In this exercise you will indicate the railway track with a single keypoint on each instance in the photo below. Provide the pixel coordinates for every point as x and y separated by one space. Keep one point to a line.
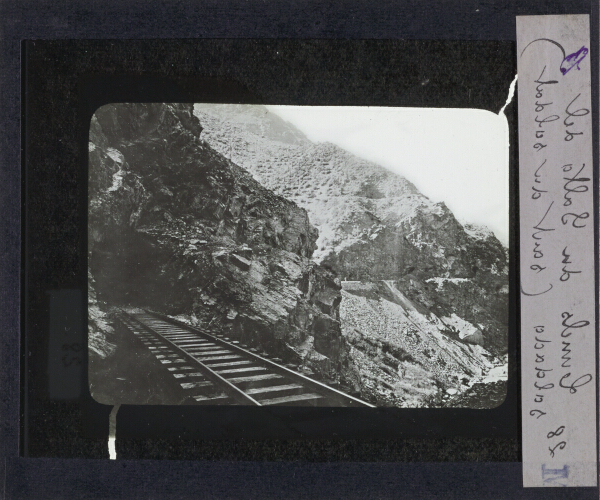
214 370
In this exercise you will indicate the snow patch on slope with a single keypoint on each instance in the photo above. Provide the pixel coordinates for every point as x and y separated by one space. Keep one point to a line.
465 329
119 159
439 282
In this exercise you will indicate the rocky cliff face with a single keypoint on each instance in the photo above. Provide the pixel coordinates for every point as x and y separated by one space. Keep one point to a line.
424 307
391 297
177 227
373 224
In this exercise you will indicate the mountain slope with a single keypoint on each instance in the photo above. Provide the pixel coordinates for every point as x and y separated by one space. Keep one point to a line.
404 353
176 226
373 224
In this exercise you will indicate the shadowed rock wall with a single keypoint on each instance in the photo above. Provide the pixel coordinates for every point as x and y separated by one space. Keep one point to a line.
175 226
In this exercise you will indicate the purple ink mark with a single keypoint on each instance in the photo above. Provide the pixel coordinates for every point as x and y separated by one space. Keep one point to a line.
573 60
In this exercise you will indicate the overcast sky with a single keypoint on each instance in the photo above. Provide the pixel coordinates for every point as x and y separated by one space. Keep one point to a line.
459 156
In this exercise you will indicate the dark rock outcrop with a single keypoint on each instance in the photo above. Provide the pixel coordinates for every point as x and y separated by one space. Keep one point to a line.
177 227
373 224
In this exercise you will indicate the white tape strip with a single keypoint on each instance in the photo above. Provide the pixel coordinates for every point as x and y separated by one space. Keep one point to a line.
112 432
511 94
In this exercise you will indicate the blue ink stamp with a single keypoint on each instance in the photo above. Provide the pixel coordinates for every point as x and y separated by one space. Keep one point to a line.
573 60
553 477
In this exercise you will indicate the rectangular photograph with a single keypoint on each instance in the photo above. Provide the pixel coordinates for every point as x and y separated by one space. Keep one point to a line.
298 255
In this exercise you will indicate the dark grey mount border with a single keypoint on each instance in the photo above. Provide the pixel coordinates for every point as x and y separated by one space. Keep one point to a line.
62 19
63 76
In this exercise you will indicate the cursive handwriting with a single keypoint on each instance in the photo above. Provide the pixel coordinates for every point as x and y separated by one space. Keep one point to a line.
537 193
539 107
575 221
580 382
570 114
538 234
569 329
540 369
574 184
566 272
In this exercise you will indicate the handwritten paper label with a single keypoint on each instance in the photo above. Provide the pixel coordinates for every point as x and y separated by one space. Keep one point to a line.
558 360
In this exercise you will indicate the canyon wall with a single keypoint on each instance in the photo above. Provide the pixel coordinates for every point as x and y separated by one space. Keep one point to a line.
176 227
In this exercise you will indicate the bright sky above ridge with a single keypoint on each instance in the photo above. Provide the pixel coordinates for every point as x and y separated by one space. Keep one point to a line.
458 156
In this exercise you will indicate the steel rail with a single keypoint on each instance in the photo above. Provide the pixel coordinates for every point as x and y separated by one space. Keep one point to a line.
315 384
237 393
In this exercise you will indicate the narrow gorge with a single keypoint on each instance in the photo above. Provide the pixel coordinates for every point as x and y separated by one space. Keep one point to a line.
229 218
